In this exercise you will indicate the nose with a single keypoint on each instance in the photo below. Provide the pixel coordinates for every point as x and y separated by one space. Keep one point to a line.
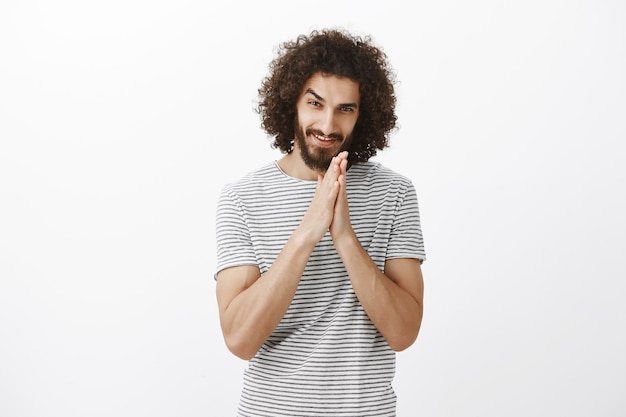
327 123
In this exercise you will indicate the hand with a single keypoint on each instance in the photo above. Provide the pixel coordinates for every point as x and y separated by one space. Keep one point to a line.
317 220
340 225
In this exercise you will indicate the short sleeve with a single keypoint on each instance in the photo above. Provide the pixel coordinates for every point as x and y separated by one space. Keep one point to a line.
406 240
234 246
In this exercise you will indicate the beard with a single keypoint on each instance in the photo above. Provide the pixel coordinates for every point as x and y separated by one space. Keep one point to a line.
315 157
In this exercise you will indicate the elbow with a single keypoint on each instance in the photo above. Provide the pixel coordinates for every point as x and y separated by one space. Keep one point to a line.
405 336
403 341
400 344
239 340
240 347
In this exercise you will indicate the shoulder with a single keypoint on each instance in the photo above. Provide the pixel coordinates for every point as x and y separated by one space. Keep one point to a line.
252 180
374 172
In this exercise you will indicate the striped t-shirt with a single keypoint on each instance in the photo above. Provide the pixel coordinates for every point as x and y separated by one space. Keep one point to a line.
325 357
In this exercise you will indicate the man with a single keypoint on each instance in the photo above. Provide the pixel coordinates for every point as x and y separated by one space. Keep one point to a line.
318 268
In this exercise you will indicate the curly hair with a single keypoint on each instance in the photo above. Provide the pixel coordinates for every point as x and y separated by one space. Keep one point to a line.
332 52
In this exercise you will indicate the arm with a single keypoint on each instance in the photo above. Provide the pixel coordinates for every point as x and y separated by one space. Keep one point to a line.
393 300
250 304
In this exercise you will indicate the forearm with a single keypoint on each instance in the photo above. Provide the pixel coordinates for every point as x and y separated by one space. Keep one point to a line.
253 314
396 312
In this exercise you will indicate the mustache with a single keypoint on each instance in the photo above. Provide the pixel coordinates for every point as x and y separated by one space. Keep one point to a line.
335 136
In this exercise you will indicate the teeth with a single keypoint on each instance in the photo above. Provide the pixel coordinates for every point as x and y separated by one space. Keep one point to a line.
324 138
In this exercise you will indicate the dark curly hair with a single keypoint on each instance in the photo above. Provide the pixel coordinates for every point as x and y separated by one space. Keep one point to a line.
332 52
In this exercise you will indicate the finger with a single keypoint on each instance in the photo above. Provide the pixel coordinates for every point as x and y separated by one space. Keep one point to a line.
324 183
343 155
333 170
320 179
341 180
343 165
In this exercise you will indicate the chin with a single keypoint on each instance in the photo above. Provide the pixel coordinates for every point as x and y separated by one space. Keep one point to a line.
317 159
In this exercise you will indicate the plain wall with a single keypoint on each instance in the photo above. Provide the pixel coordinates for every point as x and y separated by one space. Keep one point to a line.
120 122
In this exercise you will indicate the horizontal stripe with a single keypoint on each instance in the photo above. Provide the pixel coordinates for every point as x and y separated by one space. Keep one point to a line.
325 357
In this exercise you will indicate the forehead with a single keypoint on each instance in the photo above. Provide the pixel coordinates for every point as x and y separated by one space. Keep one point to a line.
332 88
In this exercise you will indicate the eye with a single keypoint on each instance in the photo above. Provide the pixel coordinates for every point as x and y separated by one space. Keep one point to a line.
347 109
314 103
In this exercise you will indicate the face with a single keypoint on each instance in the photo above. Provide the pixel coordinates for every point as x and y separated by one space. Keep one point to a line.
327 111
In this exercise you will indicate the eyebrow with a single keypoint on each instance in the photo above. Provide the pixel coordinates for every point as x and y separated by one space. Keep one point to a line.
320 98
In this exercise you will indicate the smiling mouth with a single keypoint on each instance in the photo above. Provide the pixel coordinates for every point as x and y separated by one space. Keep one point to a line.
324 138
324 141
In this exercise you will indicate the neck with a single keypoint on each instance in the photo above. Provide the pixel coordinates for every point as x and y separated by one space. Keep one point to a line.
293 166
